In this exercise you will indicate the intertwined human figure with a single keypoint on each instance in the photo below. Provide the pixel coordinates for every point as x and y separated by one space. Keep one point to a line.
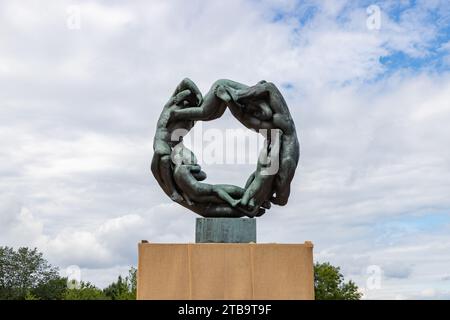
261 108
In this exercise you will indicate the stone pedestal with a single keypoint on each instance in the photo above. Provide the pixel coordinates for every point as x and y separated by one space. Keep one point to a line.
225 271
225 230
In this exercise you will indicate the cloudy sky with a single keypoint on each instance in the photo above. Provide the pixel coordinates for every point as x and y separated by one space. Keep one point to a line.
83 82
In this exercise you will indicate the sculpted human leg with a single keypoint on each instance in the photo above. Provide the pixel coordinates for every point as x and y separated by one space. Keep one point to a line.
166 172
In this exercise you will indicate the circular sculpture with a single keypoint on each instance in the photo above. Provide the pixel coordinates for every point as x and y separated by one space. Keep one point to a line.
261 108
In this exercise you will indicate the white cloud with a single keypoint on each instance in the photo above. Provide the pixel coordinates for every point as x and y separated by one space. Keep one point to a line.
18 226
109 243
78 110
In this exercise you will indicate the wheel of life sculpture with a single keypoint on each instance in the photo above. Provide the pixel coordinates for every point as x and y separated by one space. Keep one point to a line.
261 108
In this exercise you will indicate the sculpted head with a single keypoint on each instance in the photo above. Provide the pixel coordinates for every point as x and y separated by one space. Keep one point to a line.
259 109
182 155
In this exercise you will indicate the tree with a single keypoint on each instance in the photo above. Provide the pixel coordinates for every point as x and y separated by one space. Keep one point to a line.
132 276
53 289
86 291
123 288
329 284
24 273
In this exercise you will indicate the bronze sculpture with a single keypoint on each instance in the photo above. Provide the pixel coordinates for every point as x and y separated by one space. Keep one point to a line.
260 108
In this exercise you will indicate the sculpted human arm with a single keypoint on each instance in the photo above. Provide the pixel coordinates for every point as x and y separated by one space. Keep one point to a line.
188 84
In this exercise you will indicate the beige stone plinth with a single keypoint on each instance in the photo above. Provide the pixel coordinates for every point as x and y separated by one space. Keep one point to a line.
225 271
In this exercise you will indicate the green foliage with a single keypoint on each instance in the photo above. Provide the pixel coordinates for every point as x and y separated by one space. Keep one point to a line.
132 276
329 284
30 296
84 291
24 273
52 289
123 289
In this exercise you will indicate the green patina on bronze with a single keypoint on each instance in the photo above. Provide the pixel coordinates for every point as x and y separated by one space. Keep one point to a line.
225 230
260 108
